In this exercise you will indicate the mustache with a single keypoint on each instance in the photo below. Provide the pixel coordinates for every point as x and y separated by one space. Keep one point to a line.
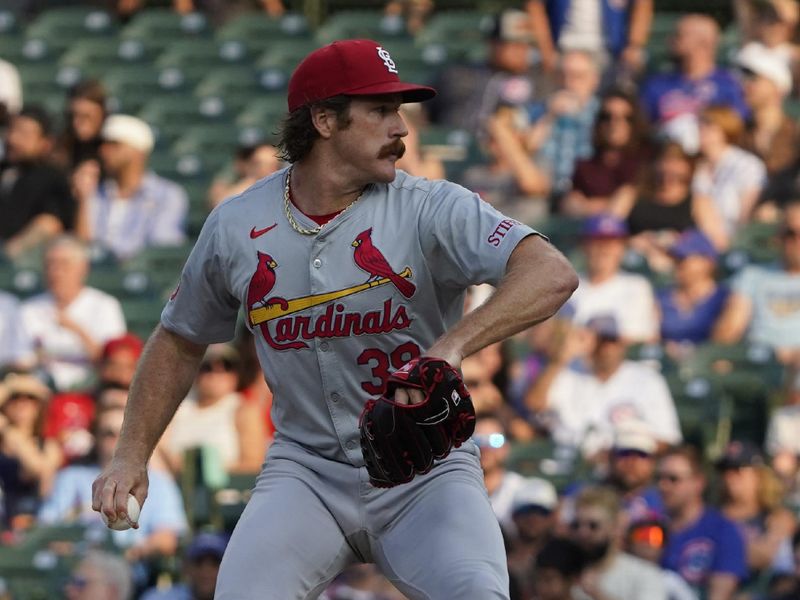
397 148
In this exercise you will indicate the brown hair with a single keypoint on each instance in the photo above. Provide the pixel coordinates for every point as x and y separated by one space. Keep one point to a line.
648 181
639 125
690 454
769 489
297 134
727 119
603 497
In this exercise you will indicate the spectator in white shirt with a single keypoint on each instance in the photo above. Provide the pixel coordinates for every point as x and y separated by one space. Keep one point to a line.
731 177
70 322
588 406
605 289
133 208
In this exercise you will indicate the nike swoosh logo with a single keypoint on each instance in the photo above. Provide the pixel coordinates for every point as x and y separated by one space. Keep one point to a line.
254 233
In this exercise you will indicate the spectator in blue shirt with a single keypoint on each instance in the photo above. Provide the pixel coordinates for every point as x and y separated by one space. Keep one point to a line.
704 547
690 308
162 520
698 82
132 208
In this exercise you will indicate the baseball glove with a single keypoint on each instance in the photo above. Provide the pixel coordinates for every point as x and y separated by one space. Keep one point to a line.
398 440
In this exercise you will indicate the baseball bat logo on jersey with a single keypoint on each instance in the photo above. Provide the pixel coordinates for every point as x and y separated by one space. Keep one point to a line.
289 328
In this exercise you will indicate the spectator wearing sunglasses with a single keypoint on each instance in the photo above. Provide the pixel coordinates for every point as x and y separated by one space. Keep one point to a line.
598 528
533 512
618 152
216 416
752 498
704 547
100 576
764 306
646 539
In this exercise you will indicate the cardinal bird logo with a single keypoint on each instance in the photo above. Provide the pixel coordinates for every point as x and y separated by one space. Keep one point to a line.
371 260
261 284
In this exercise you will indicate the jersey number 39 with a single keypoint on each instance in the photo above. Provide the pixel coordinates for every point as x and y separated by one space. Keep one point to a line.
383 364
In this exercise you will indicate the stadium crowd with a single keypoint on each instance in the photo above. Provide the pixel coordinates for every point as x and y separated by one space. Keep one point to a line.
644 443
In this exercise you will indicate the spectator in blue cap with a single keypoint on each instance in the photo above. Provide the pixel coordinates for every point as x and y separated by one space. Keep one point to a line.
690 308
606 290
200 568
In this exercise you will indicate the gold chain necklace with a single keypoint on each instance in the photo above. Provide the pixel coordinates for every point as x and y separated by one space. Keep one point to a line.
287 208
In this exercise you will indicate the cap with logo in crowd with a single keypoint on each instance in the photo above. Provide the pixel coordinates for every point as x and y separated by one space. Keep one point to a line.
511 25
207 544
128 130
350 68
693 242
760 60
635 435
604 227
534 493
739 454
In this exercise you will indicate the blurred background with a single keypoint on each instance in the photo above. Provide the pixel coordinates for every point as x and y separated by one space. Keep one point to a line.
642 443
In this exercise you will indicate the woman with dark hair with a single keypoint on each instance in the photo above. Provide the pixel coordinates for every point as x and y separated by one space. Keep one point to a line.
85 114
619 140
664 206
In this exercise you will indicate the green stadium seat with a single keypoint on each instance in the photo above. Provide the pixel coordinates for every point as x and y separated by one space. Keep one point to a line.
266 112
166 25
361 24
196 56
9 22
286 54
21 50
542 458
132 86
238 86
121 283
255 29
142 315
104 54
64 26
171 116
217 143
456 26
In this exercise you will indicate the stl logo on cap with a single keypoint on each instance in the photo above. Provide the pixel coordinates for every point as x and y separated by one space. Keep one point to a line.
387 59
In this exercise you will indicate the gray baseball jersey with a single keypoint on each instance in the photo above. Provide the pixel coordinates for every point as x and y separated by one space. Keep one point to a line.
335 313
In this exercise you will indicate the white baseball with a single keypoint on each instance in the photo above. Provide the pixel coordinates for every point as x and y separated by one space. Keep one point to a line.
123 524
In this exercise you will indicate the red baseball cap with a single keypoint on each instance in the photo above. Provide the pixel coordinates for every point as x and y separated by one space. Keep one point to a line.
353 68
